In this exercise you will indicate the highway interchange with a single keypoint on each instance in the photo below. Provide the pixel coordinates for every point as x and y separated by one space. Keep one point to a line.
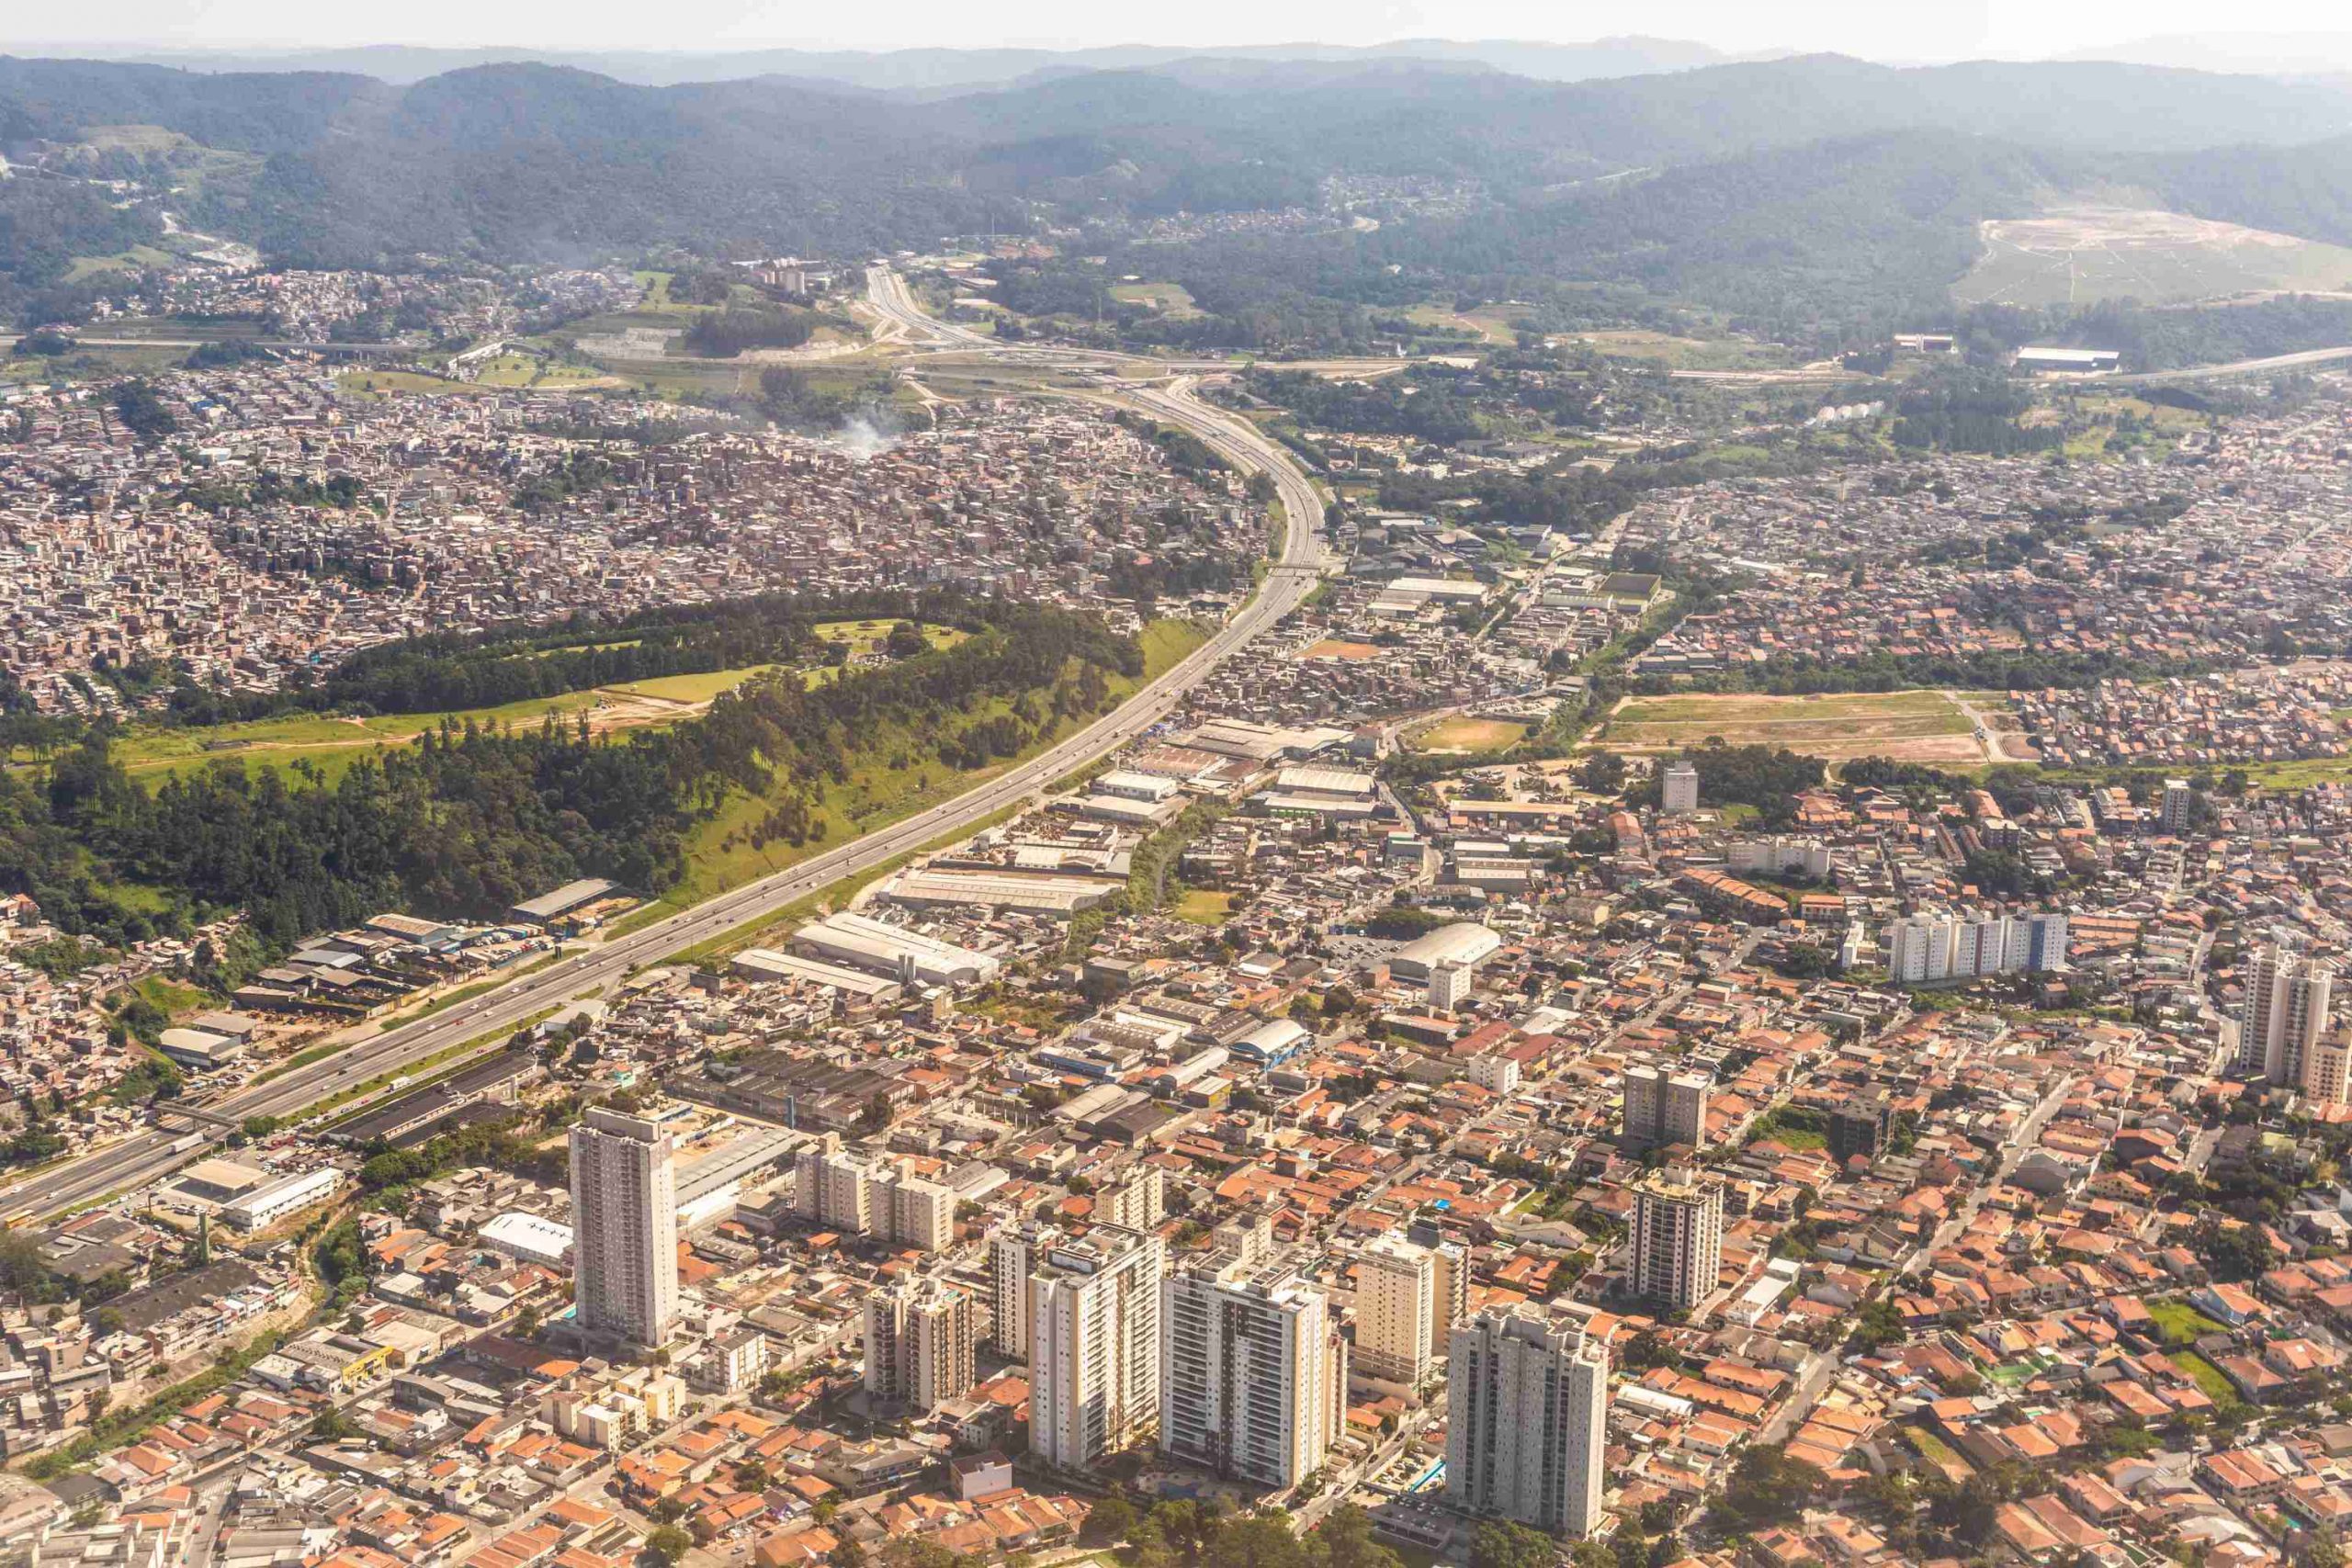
132 1162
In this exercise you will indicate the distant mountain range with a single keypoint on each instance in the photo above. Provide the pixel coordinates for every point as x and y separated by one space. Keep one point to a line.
936 70
1806 183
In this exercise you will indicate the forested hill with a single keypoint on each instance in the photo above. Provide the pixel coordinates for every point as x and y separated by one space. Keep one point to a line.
1808 188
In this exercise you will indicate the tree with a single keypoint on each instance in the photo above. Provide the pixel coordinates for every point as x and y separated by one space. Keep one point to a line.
332 1426
1111 1520
1256 1542
669 1542
1344 1541
1768 1486
906 640
1502 1544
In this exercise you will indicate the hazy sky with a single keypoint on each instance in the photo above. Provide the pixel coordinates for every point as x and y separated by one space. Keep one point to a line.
1937 29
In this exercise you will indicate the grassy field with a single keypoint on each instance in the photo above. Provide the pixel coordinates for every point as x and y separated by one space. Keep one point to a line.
121 261
1203 906
1462 733
1683 353
331 745
869 637
2180 1323
2083 254
2206 1376
1168 298
1916 725
384 383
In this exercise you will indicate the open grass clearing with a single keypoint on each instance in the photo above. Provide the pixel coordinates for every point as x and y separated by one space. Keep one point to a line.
870 636
1917 725
2081 255
2181 1324
1203 906
1168 298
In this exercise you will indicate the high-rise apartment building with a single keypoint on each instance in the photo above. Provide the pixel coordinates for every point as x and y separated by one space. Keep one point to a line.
1527 1420
1663 1109
1396 1307
1137 1201
1449 1284
1928 948
2180 803
1251 1371
1678 1238
882 1200
624 1226
1093 1307
1680 790
920 1344
2288 1000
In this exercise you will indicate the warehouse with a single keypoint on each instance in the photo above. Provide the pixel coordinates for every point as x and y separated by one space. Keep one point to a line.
1052 898
265 1206
863 942
200 1050
1464 942
527 1238
758 964
550 908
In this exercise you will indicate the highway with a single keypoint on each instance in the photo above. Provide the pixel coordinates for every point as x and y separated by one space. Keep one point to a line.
137 1161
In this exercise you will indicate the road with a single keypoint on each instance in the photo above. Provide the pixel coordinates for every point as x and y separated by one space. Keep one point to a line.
137 1161
2235 367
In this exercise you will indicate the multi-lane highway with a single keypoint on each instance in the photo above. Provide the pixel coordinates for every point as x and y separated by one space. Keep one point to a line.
134 1161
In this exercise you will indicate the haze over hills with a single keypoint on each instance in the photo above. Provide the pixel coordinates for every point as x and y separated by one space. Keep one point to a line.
1802 190
932 70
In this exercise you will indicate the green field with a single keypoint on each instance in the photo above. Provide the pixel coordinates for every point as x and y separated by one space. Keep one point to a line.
869 637
121 261
2081 255
699 688
1168 298
1916 725
384 383
2180 1323
1203 906
2206 1376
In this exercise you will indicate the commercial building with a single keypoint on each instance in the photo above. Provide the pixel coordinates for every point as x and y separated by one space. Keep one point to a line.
1396 1306
1093 1312
1664 1110
1677 1239
920 1344
1252 1373
1527 1421
625 1226
1680 792
265 1206
2288 1000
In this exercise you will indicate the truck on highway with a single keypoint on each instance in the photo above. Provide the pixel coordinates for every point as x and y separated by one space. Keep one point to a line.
181 1146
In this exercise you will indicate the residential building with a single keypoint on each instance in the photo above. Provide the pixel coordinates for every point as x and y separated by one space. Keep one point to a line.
1396 1307
1664 1109
2288 1000
920 1343
1680 790
882 1200
1678 1238
1527 1425
1094 1359
1251 1372
625 1226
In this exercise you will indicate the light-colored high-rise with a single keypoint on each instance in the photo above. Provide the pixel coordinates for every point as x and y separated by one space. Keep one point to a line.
1137 1201
1926 948
1678 1238
1093 1321
2288 1001
2180 804
1527 1420
1395 1309
1449 1285
624 1226
1663 1109
1679 794
1012 1252
883 1200
920 1339
1248 1368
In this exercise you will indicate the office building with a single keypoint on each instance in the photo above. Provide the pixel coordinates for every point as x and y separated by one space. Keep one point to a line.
1396 1307
882 1202
1092 1308
624 1226
920 1343
1665 1108
1527 1420
1252 1371
2285 1014
1677 1239
1680 790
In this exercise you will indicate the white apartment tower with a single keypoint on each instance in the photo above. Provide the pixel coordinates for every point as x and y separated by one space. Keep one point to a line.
2171 817
1678 1238
2288 998
1680 792
1527 1423
1663 1109
624 1226
919 1340
1396 1308
1092 1308
1138 1202
1251 1370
